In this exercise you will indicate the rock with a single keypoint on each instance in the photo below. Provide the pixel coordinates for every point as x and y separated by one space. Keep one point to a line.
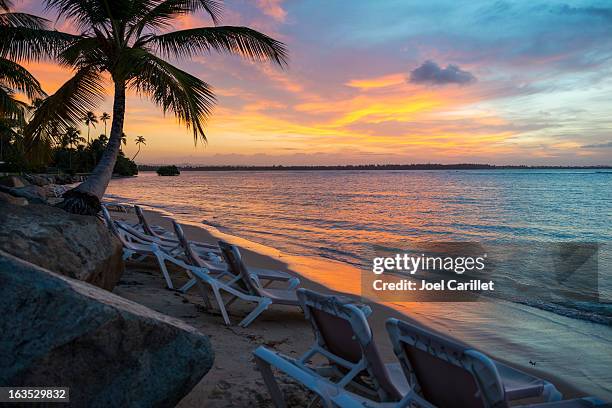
77 246
110 352
7 198
39 179
34 194
13 181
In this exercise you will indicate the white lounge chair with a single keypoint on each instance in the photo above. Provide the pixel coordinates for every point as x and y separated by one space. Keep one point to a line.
245 286
344 338
193 256
441 372
137 249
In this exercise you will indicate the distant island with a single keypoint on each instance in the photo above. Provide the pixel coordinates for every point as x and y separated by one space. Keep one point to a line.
428 166
168 171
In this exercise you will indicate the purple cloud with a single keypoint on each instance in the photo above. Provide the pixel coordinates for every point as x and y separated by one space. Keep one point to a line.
431 73
604 145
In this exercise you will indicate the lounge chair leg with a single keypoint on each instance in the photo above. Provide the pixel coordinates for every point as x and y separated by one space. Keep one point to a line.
127 253
140 258
261 306
266 372
188 285
221 305
162 266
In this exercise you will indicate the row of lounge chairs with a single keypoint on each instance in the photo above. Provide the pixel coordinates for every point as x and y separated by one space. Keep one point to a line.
433 370
219 269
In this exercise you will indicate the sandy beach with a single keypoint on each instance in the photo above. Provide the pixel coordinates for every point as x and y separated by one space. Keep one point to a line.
234 381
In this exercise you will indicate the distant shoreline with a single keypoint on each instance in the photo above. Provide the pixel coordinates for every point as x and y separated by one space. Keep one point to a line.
147 167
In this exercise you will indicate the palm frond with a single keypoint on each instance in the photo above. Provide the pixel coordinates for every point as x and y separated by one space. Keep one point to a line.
242 41
189 98
13 19
85 13
13 75
162 14
29 44
84 51
11 108
81 93
6 5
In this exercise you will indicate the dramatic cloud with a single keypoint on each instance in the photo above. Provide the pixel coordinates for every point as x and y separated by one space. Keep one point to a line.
598 145
431 73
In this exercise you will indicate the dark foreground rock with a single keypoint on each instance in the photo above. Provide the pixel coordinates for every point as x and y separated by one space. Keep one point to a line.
77 246
109 351
4 197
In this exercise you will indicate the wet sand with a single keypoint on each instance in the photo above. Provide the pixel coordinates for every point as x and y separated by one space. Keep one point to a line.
234 381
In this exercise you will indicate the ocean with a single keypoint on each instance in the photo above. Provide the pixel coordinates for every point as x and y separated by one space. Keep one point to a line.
343 216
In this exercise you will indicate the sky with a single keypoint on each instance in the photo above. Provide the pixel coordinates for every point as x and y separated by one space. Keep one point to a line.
441 81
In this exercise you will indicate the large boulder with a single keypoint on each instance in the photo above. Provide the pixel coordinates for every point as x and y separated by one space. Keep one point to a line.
110 352
39 179
13 181
4 197
32 193
77 246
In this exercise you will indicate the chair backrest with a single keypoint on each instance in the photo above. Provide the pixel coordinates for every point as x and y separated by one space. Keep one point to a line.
341 327
443 371
236 266
191 256
110 223
143 221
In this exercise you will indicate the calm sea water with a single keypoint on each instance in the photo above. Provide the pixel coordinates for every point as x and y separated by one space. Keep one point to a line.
339 215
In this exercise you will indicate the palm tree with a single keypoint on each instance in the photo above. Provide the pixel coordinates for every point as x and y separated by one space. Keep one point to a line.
90 118
104 118
72 138
139 140
129 40
14 78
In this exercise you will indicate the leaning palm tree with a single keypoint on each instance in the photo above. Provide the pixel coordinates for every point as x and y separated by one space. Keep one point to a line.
90 119
129 40
104 118
139 140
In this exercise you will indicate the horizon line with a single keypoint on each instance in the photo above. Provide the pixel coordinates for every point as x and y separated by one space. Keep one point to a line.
413 166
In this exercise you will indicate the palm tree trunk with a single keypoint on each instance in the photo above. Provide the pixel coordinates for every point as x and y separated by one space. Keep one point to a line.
136 153
85 199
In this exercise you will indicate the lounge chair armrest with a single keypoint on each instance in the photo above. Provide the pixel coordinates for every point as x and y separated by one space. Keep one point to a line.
266 359
551 393
293 283
255 280
167 257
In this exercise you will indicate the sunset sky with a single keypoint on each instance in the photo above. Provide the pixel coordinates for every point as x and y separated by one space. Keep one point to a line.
521 82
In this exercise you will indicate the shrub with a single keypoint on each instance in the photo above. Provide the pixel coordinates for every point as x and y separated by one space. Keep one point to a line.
168 171
125 166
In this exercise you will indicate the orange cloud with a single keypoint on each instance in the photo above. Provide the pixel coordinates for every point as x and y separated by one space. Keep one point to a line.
378 82
273 9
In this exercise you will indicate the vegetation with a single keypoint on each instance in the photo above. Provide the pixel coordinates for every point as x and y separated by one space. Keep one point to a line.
70 154
140 140
127 41
168 171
